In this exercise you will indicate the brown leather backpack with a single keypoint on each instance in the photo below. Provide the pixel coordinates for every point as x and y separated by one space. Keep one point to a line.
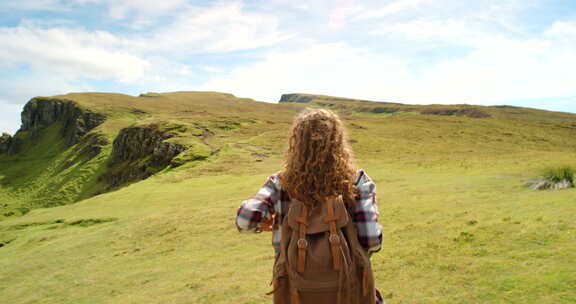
321 260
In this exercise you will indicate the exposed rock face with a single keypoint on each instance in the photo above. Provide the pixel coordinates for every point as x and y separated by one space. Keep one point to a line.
139 142
9 144
469 112
296 98
139 152
5 141
305 98
41 112
380 110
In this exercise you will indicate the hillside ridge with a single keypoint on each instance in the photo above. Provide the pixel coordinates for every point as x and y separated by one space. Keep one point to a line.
74 146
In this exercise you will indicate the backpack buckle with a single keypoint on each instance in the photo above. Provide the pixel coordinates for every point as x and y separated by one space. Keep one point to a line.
334 238
302 243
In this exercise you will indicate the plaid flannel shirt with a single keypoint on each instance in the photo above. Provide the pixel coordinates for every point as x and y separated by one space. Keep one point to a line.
271 199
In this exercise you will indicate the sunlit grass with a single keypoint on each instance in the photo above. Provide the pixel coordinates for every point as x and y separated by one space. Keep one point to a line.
459 224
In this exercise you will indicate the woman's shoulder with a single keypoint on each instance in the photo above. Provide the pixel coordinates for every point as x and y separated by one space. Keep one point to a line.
275 178
362 178
364 182
361 175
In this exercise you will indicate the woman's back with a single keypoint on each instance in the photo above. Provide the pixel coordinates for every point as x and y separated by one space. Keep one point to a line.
318 164
271 200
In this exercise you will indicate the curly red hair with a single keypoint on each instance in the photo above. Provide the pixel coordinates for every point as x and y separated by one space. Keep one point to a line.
319 161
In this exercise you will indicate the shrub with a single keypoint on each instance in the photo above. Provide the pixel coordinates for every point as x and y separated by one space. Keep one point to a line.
554 178
560 174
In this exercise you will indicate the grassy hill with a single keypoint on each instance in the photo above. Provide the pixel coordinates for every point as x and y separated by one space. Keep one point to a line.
125 226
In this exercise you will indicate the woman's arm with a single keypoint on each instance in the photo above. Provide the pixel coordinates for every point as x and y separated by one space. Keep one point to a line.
255 211
366 214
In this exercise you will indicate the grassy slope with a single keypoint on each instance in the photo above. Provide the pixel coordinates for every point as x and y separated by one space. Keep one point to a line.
459 226
36 177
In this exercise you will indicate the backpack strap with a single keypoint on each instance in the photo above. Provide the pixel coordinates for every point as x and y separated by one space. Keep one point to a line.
302 242
365 282
295 297
334 238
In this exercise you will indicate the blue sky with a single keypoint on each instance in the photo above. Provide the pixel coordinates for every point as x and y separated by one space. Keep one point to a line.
485 52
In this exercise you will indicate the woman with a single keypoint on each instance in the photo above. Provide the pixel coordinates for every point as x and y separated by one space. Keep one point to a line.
318 163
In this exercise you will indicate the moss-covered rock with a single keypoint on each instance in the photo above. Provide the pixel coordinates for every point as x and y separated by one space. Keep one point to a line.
139 152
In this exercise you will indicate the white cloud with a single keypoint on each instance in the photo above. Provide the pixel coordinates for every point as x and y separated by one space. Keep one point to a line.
45 5
382 50
340 14
562 30
302 6
58 58
137 13
451 31
392 8
496 69
18 89
128 59
220 28
502 69
333 69
95 55
121 9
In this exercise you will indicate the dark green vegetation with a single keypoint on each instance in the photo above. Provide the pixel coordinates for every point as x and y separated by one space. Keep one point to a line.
554 178
143 194
560 174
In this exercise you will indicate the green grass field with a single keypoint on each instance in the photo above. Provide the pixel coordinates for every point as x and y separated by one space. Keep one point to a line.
459 224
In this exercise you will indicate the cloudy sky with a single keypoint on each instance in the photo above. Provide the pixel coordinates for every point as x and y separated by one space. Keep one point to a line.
516 52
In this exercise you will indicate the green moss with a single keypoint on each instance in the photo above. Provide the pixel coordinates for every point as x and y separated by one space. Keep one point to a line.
226 124
175 127
194 152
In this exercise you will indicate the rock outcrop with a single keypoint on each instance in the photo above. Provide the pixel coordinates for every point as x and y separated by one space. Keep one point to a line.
5 142
41 112
135 143
9 144
139 152
468 112
306 98
296 98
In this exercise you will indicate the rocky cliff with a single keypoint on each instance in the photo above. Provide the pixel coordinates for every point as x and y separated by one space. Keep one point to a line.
5 142
138 152
296 98
306 98
78 160
41 112
380 107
